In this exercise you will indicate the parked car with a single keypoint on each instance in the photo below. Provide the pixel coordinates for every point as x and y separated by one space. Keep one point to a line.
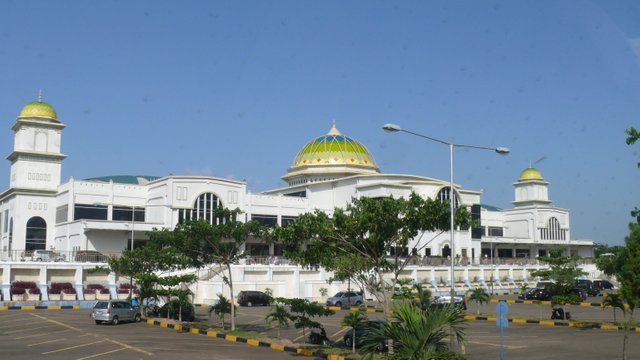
581 292
46 255
89 256
541 294
587 285
345 298
115 311
188 311
445 300
361 331
602 285
251 298
528 295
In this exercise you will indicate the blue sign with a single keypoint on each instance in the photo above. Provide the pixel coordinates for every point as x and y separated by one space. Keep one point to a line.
502 309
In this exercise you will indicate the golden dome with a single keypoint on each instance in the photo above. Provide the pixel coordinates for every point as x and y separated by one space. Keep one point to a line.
531 174
39 109
334 149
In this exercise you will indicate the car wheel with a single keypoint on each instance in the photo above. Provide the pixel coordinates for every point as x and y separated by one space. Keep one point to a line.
115 320
98 322
249 304
348 341
339 304
137 318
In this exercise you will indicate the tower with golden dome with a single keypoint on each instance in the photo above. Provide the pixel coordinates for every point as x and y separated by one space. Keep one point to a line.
36 160
531 188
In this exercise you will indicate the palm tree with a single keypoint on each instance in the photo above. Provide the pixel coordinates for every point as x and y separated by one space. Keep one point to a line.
423 296
280 315
417 334
221 308
354 320
480 296
615 301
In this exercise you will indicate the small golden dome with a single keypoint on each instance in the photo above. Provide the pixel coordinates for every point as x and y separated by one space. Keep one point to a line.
531 174
39 109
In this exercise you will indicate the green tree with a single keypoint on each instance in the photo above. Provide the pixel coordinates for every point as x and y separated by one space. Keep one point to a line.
353 320
357 239
278 314
627 273
417 333
563 271
216 245
222 308
302 312
422 296
479 296
614 301
632 137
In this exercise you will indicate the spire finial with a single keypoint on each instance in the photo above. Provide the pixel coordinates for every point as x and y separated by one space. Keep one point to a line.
530 167
334 130
40 95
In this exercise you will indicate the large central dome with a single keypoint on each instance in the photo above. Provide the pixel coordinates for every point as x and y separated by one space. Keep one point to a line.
332 154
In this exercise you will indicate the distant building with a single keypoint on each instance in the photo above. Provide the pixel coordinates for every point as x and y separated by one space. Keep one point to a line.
107 214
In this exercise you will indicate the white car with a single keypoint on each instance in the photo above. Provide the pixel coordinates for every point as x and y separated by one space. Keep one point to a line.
46 255
444 300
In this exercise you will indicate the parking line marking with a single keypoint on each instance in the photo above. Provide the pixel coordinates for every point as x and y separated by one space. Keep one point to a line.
29 329
338 333
100 354
498 345
85 333
46 342
45 334
20 325
73 347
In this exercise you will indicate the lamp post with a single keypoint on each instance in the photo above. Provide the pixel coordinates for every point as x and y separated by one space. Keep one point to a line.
499 150
133 222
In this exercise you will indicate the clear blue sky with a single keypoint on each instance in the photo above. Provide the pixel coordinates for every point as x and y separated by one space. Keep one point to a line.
235 88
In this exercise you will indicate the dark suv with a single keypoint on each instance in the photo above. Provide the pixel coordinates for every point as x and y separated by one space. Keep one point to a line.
251 298
588 287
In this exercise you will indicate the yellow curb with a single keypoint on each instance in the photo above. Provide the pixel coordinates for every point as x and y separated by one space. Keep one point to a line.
230 337
149 322
371 310
76 307
54 307
212 333
194 331
470 317
494 300
511 301
519 321
177 327
608 327
334 308
253 342
545 302
491 318
586 304
27 308
335 357
547 323
638 329
277 347
4 308
163 325
305 352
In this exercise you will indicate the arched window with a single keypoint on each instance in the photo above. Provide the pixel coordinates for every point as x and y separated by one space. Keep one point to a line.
445 194
203 208
446 251
36 238
553 231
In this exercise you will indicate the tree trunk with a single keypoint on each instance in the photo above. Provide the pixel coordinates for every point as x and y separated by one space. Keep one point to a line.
354 340
387 306
233 308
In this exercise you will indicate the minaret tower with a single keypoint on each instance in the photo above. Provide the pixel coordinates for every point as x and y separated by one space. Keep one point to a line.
531 188
36 160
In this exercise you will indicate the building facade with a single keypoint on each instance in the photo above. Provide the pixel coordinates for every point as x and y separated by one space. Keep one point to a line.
105 215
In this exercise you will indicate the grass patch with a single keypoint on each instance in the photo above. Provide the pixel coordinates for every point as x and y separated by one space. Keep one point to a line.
244 334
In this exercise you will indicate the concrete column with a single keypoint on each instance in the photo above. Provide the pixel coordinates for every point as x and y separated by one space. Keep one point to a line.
78 285
6 282
111 284
296 283
42 283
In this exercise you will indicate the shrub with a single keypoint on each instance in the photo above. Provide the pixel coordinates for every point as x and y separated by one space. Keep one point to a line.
69 291
61 286
104 291
54 291
123 291
89 291
94 287
24 284
17 291
34 291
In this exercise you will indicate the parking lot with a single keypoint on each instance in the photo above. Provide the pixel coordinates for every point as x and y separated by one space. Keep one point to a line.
72 334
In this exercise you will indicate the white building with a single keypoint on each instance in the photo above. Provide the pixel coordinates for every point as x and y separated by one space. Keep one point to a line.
104 214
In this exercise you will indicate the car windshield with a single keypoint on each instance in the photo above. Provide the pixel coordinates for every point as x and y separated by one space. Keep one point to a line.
340 294
101 305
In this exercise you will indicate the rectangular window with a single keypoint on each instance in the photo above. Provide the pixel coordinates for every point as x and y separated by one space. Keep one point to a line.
427 252
122 213
6 220
495 231
287 219
267 220
302 194
62 214
476 229
90 212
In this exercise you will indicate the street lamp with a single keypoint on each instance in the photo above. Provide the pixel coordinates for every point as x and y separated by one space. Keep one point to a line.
499 150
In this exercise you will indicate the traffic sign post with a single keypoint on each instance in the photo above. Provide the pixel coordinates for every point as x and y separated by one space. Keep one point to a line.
502 322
